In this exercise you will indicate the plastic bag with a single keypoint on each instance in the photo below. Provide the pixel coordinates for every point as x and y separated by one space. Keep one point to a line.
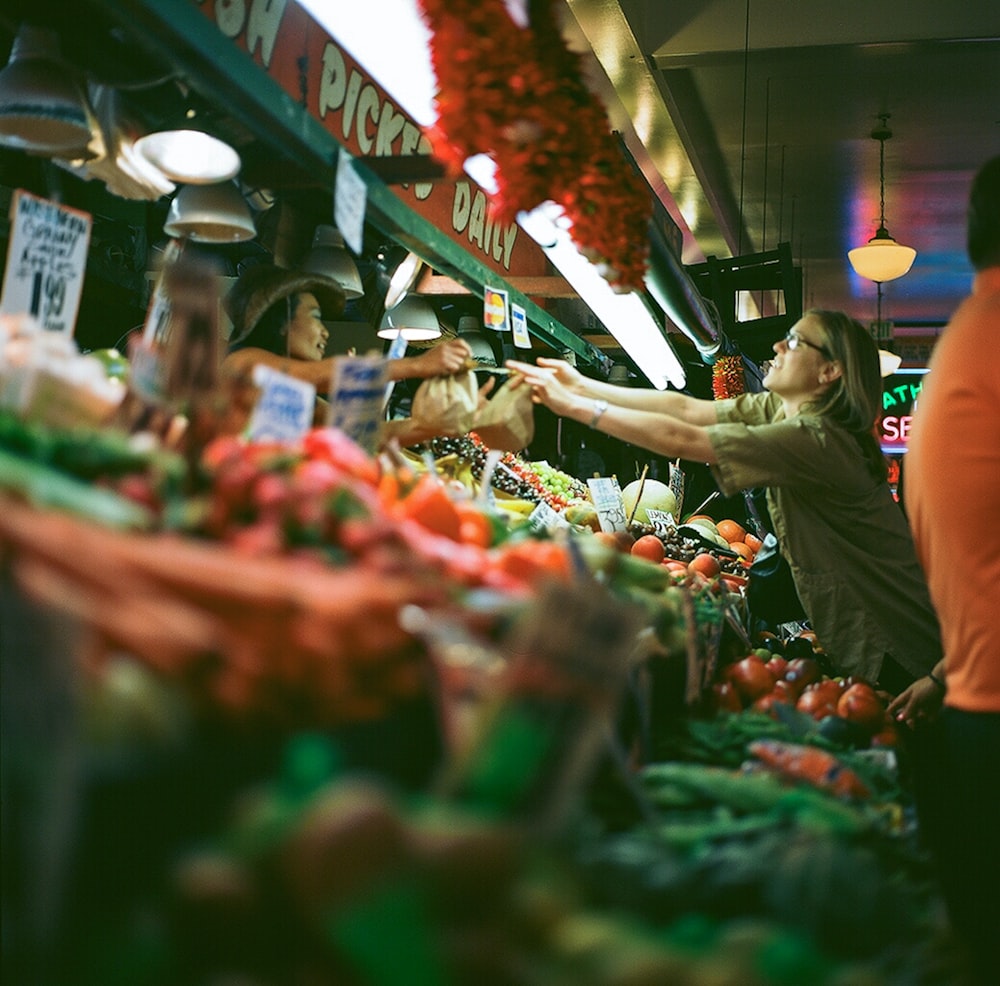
447 405
771 593
507 421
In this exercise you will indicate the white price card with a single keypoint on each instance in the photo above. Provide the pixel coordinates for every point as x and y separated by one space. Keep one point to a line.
544 518
46 261
607 497
357 392
284 409
519 326
662 521
350 200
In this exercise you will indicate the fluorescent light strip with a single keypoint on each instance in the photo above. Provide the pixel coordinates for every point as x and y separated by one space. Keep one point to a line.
625 316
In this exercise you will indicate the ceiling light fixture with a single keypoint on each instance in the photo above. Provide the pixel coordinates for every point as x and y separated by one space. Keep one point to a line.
881 258
330 257
189 157
42 106
210 214
413 318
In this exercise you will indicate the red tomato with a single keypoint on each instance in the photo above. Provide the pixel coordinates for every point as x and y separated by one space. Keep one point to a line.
650 547
429 504
751 678
860 704
803 670
476 527
819 701
725 698
777 665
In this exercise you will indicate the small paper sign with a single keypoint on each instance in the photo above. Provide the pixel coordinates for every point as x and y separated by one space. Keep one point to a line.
544 518
676 484
350 200
662 521
357 391
284 409
519 326
496 309
607 497
46 261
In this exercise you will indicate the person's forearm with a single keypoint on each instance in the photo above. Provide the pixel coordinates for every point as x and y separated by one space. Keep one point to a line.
654 431
677 405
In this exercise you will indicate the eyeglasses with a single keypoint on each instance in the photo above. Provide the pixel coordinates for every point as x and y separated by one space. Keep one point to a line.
793 340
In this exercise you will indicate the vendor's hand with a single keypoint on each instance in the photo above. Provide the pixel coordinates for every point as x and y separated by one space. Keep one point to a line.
546 382
442 360
570 377
920 701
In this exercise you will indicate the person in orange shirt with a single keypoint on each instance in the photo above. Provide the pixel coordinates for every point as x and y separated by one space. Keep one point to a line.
953 503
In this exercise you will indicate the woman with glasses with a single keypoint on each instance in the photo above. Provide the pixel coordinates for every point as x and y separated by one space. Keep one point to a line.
809 439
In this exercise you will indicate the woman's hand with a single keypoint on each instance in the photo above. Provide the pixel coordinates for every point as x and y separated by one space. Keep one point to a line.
552 383
921 700
442 360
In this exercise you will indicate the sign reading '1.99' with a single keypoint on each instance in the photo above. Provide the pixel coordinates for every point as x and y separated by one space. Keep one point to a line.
899 399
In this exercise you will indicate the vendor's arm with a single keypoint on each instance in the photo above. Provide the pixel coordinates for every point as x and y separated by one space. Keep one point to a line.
656 431
693 410
441 360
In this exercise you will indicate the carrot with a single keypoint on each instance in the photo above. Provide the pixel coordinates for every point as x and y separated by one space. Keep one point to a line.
801 762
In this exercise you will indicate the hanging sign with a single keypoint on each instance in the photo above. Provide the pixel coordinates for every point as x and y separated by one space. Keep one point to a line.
350 199
519 326
496 309
46 261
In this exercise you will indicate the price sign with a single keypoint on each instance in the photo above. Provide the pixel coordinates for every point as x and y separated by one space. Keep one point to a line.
676 484
357 392
607 497
544 518
662 521
350 200
46 261
284 409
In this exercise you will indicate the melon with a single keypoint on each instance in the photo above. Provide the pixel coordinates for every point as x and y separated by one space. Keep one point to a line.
655 496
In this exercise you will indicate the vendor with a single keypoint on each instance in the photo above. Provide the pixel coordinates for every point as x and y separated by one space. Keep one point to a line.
809 439
277 317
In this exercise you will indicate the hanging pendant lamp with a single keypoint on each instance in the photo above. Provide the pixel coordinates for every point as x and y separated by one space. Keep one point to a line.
881 258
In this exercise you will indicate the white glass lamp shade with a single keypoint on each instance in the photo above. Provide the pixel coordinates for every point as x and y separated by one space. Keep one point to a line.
413 318
210 214
42 109
881 258
889 362
329 256
189 156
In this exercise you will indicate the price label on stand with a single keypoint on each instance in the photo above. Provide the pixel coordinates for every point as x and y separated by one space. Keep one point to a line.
607 497
357 392
46 261
662 521
544 518
284 410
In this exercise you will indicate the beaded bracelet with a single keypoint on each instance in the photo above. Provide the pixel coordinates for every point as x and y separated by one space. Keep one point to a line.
937 681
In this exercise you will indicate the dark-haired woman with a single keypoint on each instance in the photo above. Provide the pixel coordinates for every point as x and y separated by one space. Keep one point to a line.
809 439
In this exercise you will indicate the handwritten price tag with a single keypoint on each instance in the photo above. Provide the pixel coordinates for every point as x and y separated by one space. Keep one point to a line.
607 497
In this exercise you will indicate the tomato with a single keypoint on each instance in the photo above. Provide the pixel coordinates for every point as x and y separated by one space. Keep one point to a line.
725 698
532 560
475 527
751 678
777 665
804 670
650 547
336 447
860 704
429 504
818 700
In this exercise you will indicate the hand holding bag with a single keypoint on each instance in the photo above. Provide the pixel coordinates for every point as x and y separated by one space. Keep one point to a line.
447 405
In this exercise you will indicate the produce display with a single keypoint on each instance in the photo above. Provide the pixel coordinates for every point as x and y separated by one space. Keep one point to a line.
744 818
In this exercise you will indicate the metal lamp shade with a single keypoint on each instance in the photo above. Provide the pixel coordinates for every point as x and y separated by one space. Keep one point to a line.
329 256
42 109
210 214
190 156
413 318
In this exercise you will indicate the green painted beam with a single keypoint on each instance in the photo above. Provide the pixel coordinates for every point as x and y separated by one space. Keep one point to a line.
178 33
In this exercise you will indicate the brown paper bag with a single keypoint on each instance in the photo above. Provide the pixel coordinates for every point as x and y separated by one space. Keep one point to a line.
447 405
507 422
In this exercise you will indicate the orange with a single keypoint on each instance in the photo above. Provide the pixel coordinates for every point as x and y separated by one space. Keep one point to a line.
743 550
752 541
731 531
650 547
705 564
688 520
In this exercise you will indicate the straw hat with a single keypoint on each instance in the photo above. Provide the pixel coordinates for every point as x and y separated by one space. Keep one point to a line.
264 285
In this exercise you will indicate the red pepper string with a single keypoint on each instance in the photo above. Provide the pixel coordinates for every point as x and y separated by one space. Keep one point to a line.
518 94
727 377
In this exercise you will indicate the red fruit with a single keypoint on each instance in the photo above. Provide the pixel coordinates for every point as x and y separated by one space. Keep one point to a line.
789 691
778 666
803 671
751 678
819 701
650 547
725 698
705 564
860 704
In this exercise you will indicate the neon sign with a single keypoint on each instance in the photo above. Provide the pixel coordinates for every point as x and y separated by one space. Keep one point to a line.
899 399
